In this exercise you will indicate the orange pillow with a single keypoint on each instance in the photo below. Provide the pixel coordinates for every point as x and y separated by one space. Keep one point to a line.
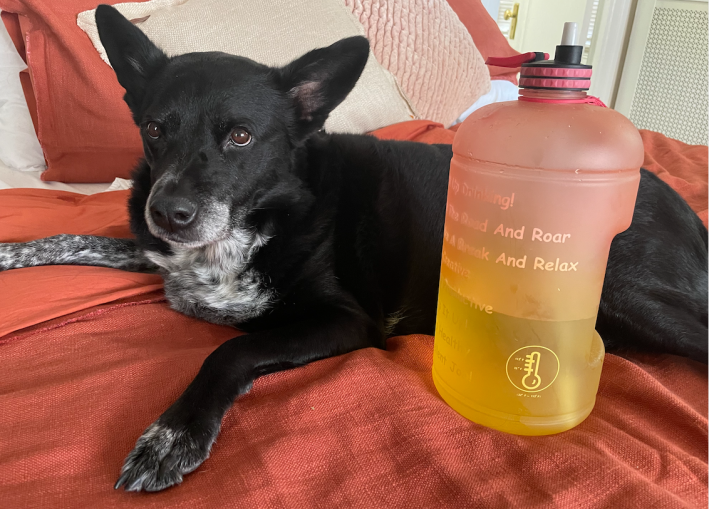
82 123
486 36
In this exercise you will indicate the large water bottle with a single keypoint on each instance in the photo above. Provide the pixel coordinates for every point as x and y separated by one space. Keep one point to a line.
538 189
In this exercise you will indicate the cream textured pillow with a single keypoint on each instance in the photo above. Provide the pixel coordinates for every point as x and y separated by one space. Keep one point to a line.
429 50
272 32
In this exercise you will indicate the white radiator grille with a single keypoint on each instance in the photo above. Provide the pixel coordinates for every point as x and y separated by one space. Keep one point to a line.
672 95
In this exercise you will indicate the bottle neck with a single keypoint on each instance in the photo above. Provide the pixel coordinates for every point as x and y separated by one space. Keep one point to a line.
552 96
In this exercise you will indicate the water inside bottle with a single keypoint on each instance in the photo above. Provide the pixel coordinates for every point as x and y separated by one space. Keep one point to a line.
529 377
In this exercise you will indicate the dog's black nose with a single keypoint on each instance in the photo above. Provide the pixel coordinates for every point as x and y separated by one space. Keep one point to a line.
173 213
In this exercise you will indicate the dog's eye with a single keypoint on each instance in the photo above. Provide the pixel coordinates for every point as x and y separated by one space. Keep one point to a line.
240 137
153 130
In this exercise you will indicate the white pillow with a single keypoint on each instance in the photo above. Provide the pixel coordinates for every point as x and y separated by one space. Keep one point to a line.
19 147
500 91
274 33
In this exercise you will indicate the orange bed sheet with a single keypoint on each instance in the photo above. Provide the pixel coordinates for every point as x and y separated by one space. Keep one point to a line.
90 356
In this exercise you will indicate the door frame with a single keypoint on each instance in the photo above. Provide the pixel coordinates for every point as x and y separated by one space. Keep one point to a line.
610 48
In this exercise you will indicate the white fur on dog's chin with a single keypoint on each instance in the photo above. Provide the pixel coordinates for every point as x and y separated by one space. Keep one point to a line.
214 281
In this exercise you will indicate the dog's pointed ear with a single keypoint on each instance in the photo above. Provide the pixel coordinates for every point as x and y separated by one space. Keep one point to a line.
133 56
321 79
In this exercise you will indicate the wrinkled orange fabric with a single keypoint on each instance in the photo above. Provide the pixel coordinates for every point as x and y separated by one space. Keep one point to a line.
682 166
33 295
80 381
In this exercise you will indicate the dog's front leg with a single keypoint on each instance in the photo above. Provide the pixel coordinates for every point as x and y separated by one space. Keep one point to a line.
121 254
181 438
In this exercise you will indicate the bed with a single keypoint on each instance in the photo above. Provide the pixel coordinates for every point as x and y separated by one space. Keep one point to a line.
91 356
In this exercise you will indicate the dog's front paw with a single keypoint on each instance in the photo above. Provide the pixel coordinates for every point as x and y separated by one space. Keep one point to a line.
163 454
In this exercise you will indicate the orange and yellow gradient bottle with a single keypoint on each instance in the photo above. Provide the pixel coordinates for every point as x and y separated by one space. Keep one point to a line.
538 189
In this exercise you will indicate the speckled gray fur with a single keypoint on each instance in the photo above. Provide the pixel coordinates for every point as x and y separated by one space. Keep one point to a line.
162 455
211 282
120 254
214 282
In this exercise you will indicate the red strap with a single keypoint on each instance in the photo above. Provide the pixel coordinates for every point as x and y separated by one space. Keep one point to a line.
595 101
516 60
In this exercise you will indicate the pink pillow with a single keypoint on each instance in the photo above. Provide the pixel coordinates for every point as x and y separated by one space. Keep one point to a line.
430 52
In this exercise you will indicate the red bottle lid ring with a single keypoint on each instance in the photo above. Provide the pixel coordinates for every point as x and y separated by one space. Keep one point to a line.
565 72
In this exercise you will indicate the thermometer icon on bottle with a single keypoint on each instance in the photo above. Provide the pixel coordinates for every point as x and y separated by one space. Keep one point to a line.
531 380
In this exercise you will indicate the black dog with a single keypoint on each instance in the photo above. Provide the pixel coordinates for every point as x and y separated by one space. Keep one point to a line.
316 244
